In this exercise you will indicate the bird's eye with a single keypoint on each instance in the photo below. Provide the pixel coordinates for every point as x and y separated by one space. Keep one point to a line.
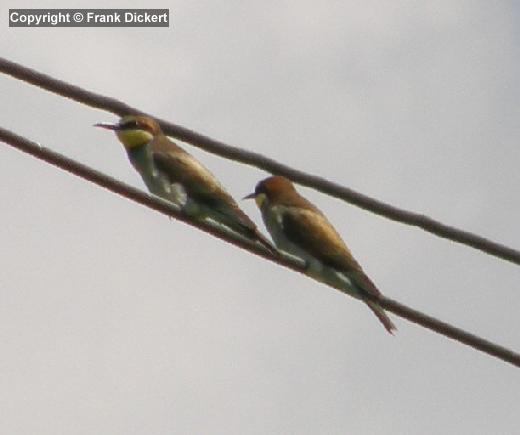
129 125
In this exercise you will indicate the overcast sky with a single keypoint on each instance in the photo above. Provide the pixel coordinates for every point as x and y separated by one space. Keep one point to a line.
116 320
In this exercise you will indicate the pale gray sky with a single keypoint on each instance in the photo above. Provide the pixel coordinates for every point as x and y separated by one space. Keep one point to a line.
115 320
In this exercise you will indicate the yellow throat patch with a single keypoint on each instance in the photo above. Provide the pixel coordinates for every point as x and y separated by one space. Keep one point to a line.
134 138
260 199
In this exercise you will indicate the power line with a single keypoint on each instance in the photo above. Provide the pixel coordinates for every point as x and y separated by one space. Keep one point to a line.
170 210
424 222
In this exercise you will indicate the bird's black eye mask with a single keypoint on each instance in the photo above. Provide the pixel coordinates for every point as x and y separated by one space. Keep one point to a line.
260 188
131 124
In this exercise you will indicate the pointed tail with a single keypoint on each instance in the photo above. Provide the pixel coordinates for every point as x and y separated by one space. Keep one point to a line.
382 316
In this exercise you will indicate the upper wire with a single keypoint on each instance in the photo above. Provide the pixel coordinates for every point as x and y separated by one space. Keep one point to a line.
321 184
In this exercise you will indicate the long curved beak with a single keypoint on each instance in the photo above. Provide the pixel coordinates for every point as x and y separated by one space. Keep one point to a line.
250 196
107 126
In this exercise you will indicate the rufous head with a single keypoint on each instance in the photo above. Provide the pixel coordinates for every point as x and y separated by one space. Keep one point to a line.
275 189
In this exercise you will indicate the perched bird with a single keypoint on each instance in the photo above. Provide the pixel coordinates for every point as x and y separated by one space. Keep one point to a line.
173 174
300 229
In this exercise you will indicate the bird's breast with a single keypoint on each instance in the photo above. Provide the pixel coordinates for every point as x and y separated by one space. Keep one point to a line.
273 219
156 181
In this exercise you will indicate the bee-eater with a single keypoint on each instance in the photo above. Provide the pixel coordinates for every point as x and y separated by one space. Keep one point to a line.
173 174
300 229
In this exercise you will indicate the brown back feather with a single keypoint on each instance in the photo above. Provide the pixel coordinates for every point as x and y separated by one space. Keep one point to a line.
202 186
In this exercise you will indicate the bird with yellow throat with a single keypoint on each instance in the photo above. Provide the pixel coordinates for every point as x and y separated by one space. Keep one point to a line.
299 228
173 174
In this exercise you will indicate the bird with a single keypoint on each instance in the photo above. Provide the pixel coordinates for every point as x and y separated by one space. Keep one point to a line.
171 173
300 229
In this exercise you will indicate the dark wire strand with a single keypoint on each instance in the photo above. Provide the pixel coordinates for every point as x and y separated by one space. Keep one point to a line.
168 209
424 222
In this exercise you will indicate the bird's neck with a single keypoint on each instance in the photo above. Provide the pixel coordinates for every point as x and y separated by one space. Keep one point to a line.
140 157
